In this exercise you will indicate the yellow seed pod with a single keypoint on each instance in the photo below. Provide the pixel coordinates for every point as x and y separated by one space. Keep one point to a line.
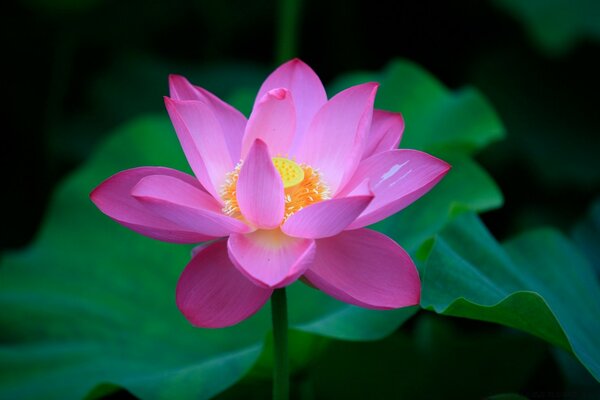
291 173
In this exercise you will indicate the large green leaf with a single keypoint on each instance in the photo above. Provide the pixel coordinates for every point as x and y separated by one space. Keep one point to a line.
92 300
436 360
537 282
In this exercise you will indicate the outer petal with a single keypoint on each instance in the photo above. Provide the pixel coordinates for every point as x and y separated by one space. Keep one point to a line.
260 188
270 258
335 139
386 132
306 87
327 218
113 198
232 121
185 205
203 141
211 292
397 178
274 121
365 268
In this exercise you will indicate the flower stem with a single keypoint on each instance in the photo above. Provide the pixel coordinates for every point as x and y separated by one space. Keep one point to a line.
280 345
287 30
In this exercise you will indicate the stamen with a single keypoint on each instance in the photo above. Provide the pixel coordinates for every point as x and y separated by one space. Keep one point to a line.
302 184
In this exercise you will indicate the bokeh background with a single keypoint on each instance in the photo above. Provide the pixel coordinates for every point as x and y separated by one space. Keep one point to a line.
78 69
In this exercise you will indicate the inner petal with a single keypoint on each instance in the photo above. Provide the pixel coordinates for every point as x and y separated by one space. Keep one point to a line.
303 186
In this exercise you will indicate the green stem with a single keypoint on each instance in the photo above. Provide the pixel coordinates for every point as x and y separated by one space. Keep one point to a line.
287 30
281 385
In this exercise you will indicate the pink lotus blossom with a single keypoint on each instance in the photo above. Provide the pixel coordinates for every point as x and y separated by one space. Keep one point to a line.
284 194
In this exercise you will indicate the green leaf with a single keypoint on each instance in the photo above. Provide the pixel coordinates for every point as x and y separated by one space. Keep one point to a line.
537 282
556 25
436 360
90 302
315 312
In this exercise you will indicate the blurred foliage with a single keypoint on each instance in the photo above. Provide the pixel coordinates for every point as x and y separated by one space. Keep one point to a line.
556 25
587 235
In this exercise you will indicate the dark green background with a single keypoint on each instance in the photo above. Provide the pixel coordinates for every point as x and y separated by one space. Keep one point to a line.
77 70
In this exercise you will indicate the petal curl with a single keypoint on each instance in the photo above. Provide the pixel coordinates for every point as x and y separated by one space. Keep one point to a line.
113 197
260 188
273 120
326 218
211 292
367 269
185 205
269 258
306 88
334 141
385 134
397 178
232 121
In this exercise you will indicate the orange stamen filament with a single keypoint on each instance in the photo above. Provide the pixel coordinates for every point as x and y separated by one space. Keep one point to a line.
310 188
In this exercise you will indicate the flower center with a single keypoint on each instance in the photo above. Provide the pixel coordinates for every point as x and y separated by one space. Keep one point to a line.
291 173
302 187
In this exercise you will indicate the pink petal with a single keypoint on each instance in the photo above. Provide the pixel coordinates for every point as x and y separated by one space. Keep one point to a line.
327 218
260 188
270 258
335 139
386 132
203 141
274 121
185 205
365 268
113 198
211 292
232 121
306 88
397 178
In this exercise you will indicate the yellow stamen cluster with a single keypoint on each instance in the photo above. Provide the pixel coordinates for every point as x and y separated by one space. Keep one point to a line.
302 187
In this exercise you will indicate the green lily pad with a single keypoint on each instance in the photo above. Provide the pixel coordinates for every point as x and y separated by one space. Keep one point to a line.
537 282
90 302
436 360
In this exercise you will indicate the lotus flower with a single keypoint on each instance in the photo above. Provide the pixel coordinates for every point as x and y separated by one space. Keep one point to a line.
284 194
